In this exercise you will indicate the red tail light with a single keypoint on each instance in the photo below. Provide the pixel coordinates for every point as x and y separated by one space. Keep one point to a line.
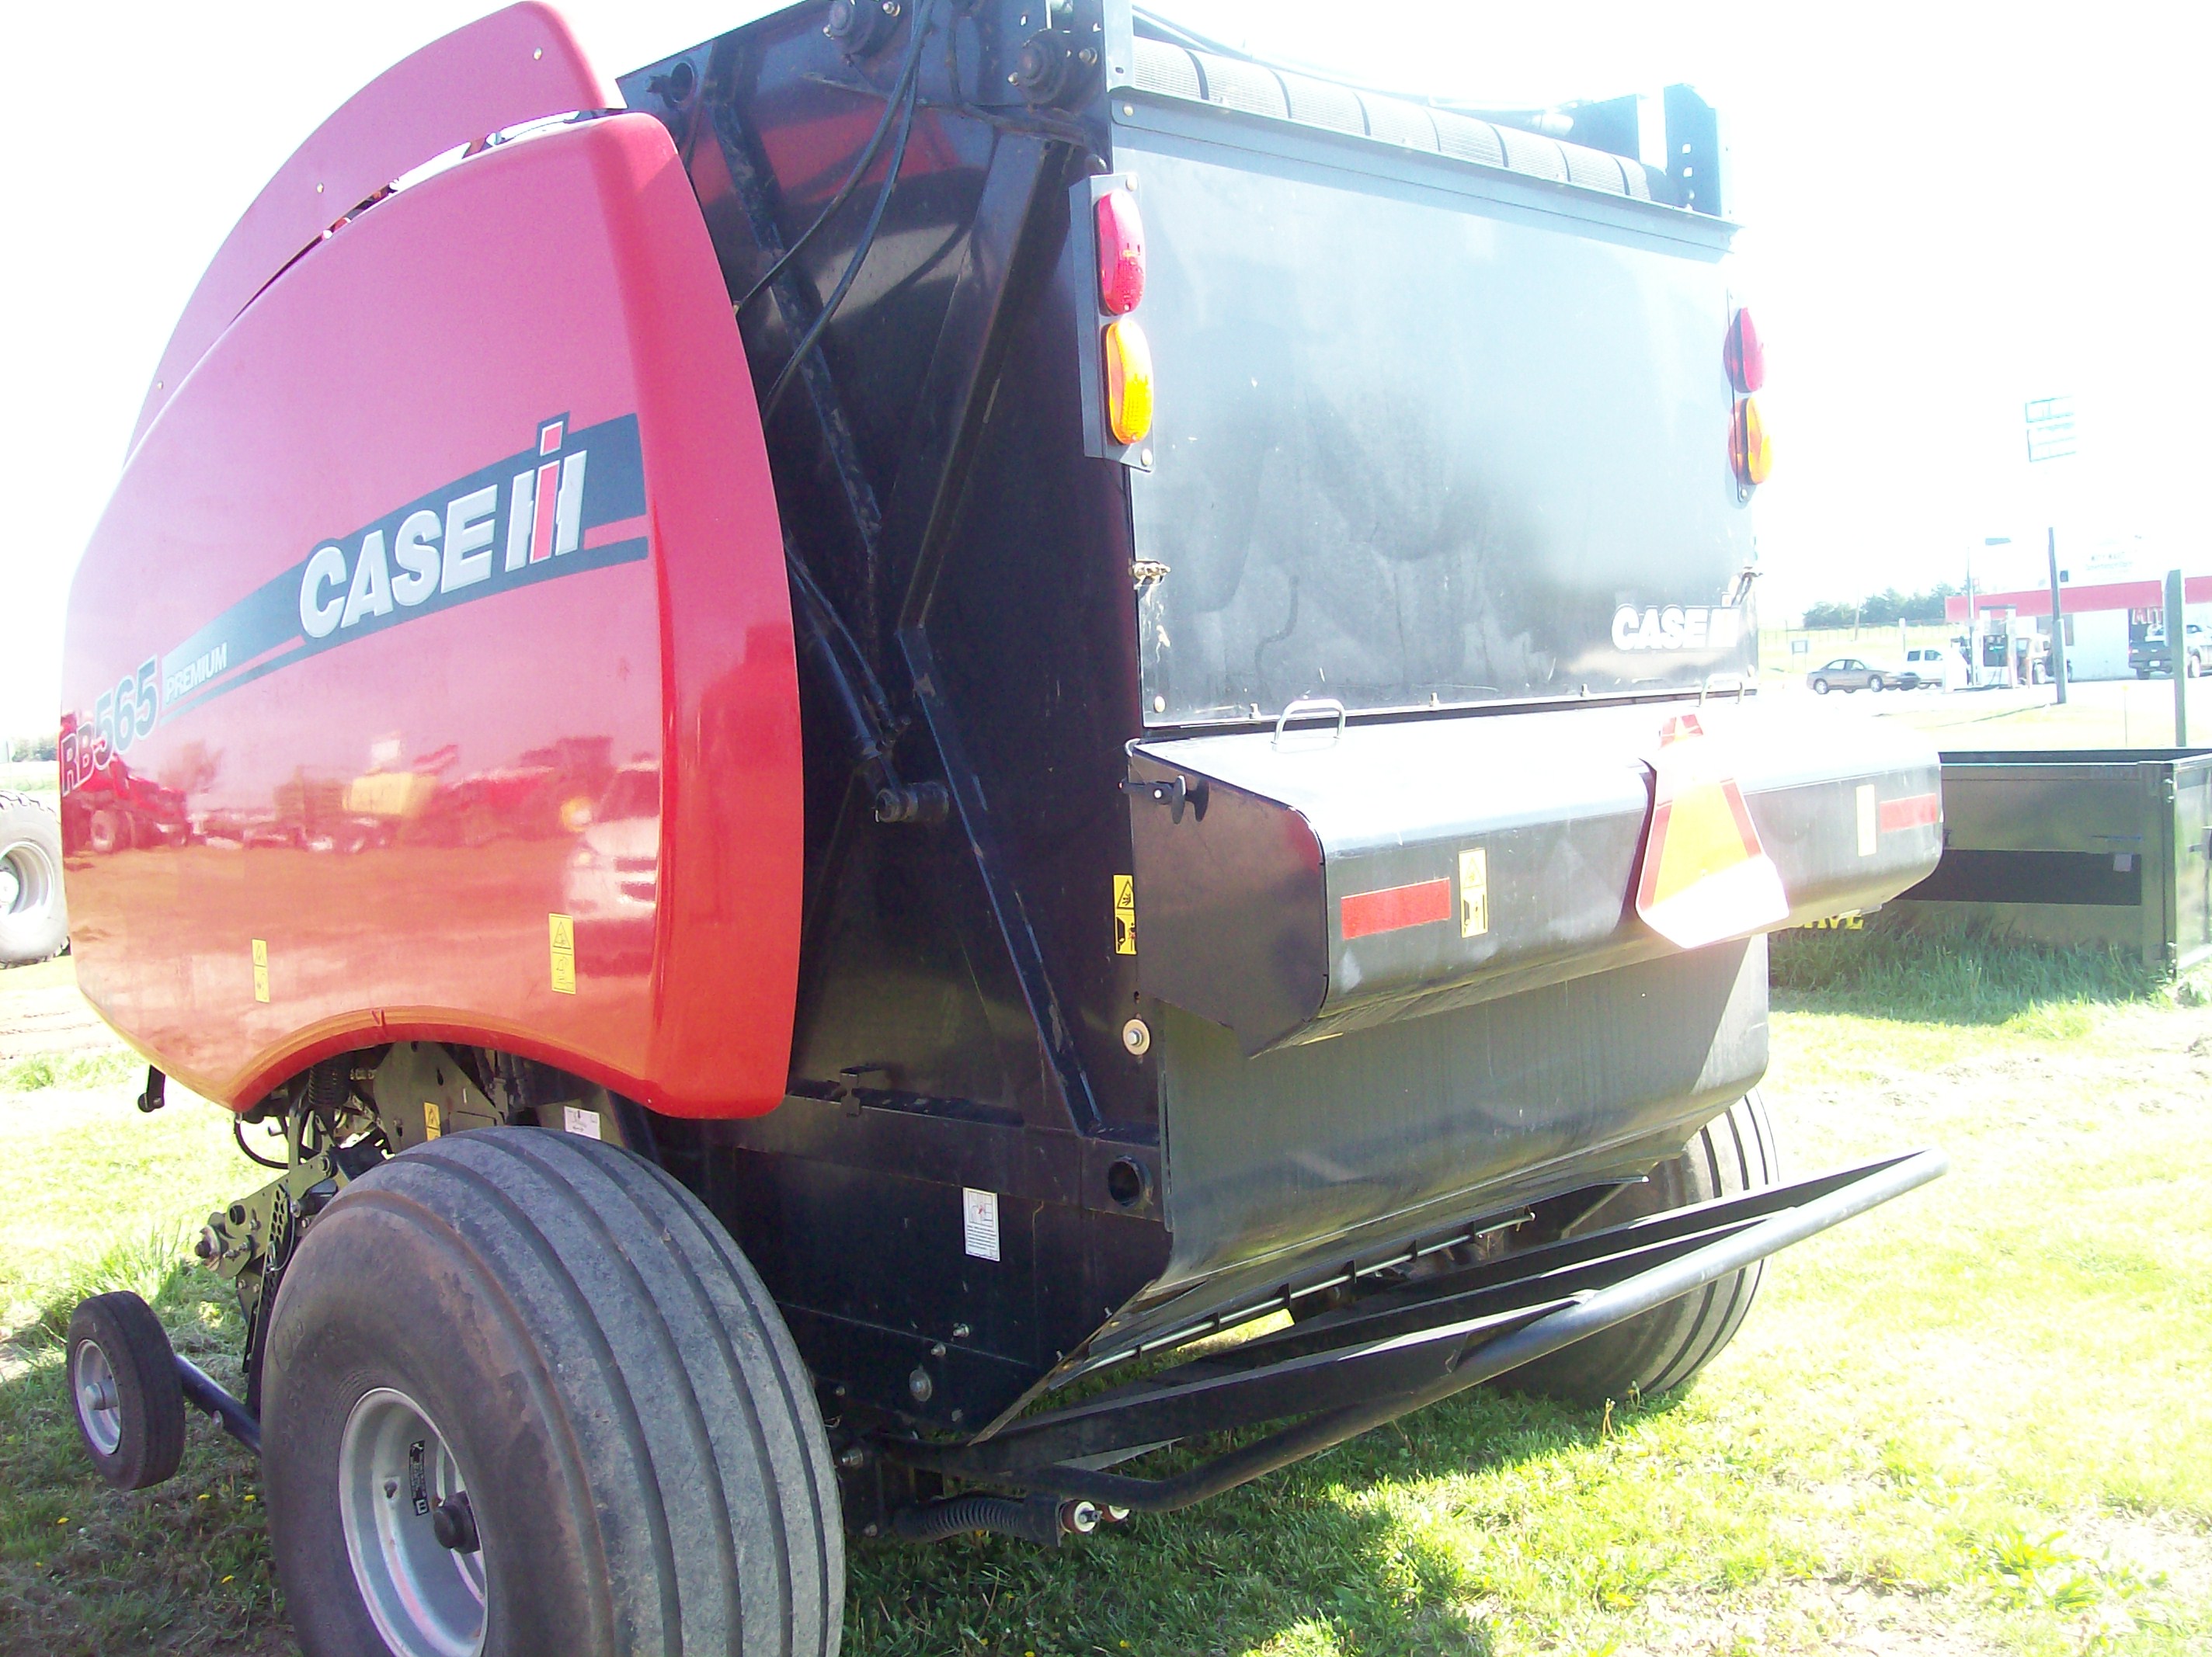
1121 253
1745 356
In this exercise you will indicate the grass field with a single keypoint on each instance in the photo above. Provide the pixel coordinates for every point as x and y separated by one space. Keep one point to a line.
30 776
1975 1422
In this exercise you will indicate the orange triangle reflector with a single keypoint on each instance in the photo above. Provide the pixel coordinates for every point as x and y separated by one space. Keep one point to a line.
1705 876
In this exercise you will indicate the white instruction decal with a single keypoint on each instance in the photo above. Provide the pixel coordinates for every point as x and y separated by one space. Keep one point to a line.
978 1214
586 1122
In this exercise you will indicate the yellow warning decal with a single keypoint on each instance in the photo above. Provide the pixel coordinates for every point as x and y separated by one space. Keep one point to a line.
1125 914
1474 893
260 969
431 1126
564 954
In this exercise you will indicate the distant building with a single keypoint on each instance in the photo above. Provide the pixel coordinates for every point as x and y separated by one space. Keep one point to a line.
2099 616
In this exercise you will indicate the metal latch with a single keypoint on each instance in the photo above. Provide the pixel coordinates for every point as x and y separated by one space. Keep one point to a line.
1174 793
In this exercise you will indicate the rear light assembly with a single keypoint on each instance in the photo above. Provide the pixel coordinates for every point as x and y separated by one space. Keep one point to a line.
1745 356
1128 381
1750 452
1749 449
1121 253
1118 406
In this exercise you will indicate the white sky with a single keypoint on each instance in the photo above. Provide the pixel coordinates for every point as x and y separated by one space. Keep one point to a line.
1952 208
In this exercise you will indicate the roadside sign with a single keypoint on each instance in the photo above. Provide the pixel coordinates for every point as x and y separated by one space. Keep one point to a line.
2050 434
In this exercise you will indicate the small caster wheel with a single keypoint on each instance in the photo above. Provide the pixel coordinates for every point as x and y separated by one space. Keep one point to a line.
123 1380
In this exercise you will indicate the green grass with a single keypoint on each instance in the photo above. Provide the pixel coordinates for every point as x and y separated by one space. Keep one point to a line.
1975 1421
1887 971
31 776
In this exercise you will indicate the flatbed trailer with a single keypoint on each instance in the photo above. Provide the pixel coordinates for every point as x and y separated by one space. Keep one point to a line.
833 746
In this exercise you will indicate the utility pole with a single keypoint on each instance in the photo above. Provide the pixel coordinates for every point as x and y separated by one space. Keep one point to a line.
2057 622
2177 656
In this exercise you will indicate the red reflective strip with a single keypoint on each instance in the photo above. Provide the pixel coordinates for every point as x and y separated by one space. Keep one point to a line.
1913 811
1396 907
549 486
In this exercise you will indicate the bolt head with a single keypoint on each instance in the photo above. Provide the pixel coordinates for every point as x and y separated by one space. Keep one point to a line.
1137 1038
920 1385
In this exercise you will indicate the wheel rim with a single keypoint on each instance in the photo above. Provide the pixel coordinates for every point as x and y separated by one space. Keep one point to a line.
394 1467
26 880
99 1409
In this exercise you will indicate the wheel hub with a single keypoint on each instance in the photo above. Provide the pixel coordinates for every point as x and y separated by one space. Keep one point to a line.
99 1409
401 1498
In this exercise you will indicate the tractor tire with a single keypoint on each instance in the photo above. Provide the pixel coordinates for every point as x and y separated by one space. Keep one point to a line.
522 1394
34 914
123 1381
1659 1350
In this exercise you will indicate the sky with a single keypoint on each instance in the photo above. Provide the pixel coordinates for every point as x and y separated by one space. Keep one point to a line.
1950 209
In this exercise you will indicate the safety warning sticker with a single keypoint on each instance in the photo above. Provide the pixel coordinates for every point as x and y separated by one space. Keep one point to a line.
1474 893
260 969
577 1119
979 1215
1125 919
564 931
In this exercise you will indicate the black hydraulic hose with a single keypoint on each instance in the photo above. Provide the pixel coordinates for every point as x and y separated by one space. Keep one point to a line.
1028 1520
810 590
871 744
1589 1314
238 1132
860 249
907 71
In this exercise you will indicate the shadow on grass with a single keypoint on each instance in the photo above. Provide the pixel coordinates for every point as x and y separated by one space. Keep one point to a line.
1297 1560
86 1571
1300 1558
1891 971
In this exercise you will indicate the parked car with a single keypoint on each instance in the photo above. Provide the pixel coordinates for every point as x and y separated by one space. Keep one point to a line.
2148 655
1849 673
1930 665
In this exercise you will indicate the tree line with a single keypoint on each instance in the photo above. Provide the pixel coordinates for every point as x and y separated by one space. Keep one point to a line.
1883 609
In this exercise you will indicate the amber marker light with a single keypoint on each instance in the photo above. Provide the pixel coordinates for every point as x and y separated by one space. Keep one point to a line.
1121 253
1750 450
1744 354
1128 381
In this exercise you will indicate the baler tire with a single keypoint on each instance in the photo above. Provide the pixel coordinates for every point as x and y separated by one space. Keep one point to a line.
34 909
1660 1350
134 1435
644 1464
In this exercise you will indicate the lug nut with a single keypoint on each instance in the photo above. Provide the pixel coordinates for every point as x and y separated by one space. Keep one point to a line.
921 1385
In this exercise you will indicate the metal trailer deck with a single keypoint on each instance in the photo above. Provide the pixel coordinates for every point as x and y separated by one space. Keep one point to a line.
2094 847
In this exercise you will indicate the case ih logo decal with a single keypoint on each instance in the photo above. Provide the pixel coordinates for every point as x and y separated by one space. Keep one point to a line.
1676 627
572 501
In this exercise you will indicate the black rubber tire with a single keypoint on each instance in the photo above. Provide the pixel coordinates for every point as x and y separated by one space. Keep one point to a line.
34 918
638 1436
1819 687
149 1403
1661 1350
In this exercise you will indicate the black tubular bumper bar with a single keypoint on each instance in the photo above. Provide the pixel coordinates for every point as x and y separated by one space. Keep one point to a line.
203 1392
1400 1349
